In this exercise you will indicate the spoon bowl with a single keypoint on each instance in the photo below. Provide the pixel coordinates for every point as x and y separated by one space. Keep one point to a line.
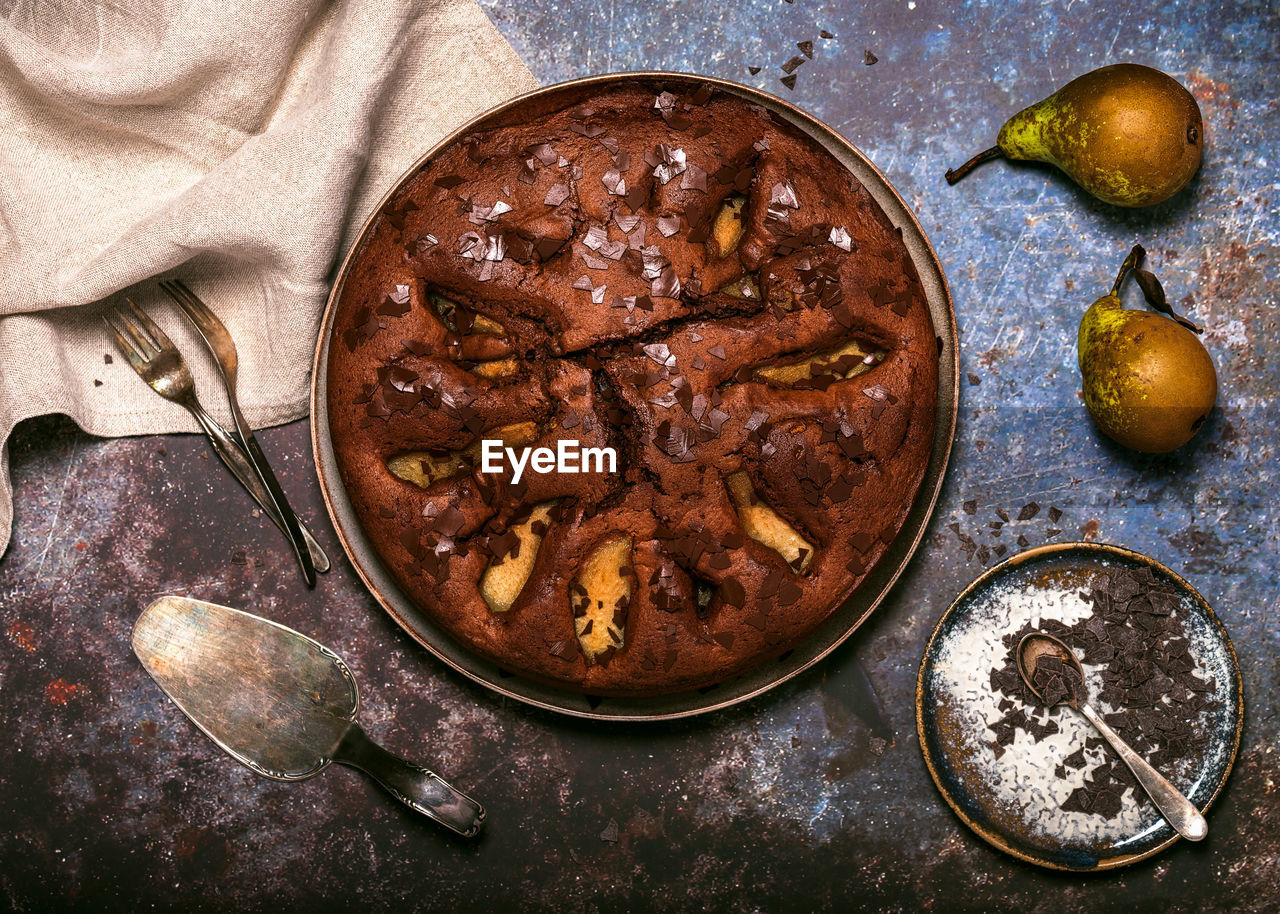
1037 645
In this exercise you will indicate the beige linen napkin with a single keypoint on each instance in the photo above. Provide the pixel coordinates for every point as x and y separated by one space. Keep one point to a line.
239 146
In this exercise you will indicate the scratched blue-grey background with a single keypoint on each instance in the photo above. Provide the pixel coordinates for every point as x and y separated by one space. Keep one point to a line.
814 796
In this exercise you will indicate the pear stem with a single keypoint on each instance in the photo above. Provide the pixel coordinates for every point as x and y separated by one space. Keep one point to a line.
955 174
1131 263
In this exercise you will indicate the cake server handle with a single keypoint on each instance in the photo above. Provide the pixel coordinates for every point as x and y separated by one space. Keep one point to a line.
418 788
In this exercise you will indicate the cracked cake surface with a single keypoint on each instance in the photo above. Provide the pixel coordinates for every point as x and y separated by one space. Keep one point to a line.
677 276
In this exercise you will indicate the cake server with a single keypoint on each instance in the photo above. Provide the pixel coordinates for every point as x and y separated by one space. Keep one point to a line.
278 702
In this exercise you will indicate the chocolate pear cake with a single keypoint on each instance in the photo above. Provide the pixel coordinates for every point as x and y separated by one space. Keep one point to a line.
631 395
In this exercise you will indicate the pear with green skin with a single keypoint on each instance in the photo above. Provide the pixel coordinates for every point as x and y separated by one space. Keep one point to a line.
1149 383
1127 134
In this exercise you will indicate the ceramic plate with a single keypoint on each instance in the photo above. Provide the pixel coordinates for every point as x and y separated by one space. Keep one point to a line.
1011 795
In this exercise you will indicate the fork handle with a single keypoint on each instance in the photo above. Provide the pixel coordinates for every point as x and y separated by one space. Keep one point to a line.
262 469
234 457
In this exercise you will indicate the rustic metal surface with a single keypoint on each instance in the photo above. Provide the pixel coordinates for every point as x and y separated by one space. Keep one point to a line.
815 795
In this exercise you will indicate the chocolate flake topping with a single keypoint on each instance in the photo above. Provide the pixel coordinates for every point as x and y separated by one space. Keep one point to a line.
614 183
669 163
597 292
546 248
557 194
396 304
783 194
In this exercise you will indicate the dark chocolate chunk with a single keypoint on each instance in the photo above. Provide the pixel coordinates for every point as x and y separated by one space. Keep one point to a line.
546 248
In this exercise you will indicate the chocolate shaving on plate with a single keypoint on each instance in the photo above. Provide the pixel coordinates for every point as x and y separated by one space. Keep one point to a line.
1136 635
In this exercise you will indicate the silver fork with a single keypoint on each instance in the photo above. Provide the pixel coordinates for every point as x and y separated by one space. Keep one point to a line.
158 362
219 342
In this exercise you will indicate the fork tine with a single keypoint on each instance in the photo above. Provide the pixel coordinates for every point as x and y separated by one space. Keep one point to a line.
146 347
153 329
176 296
178 290
127 349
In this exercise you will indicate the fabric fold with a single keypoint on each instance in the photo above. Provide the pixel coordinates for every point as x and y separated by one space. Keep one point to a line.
239 148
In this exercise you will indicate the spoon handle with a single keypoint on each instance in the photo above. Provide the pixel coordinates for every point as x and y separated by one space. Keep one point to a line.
1180 811
415 786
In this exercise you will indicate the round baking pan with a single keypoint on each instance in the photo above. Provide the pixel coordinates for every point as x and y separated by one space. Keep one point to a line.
841 623
954 749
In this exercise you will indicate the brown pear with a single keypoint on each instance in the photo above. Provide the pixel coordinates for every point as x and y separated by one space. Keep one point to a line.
1148 381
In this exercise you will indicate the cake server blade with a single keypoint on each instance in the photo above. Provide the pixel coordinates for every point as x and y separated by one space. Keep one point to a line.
278 701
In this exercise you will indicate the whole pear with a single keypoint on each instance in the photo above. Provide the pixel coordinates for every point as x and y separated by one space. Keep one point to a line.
1128 134
1148 381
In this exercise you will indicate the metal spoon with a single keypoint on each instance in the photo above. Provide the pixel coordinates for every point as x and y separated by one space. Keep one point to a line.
1181 813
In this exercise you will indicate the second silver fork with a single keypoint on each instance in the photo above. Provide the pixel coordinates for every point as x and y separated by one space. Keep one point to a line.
158 362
